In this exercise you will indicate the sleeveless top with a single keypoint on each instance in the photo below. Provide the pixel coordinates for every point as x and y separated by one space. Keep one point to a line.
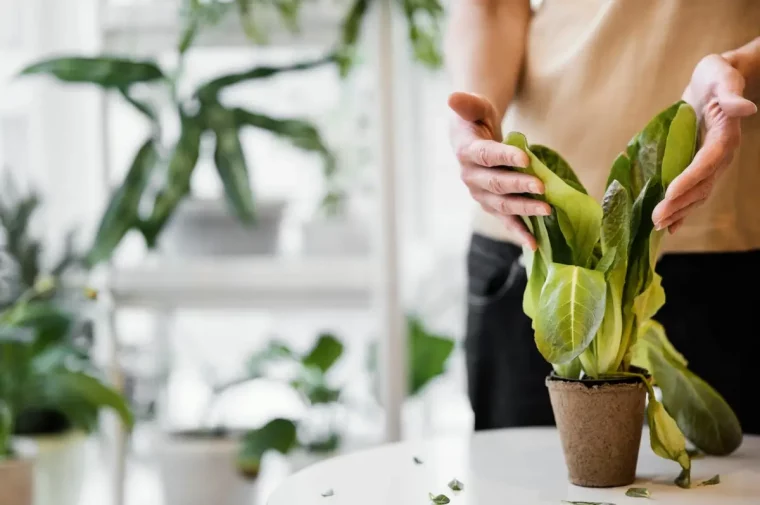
596 71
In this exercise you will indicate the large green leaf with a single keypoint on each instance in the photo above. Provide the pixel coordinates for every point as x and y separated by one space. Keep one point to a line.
579 215
621 172
325 353
277 435
681 143
570 311
557 164
700 411
122 211
650 149
102 71
178 175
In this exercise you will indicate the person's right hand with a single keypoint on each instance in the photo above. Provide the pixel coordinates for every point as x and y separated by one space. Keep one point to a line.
476 140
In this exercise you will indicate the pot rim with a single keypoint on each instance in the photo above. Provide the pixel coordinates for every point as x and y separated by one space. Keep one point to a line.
553 377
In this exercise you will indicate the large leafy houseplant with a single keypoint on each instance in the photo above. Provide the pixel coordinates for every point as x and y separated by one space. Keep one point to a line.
592 289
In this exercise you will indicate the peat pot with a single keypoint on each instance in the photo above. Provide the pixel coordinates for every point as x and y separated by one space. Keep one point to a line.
16 481
600 424
198 468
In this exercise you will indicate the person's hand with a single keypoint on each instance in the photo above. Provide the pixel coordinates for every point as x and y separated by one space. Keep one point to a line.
715 92
476 140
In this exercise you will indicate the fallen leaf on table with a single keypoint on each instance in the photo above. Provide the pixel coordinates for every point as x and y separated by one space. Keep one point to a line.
441 499
711 482
456 485
417 460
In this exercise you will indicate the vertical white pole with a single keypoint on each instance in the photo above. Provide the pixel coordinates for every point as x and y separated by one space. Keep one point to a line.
393 350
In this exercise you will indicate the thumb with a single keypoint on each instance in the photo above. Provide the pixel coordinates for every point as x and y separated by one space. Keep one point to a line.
471 107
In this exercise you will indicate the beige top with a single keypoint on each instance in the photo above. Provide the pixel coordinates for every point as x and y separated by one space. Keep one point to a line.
597 71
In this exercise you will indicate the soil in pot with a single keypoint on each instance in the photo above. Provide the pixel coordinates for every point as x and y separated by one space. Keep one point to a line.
16 482
600 424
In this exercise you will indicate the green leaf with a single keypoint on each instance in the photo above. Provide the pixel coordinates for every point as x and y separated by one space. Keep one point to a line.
711 482
210 90
440 499
456 485
300 133
230 162
570 370
277 435
122 211
178 175
650 149
312 385
428 355
579 215
350 33
638 492
700 411
666 439
275 350
67 391
325 353
6 430
102 71
557 164
571 308
621 172
325 445
681 143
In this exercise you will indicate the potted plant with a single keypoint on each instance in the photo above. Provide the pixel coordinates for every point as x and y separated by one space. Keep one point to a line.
216 464
16 474
55 310
49 387
592 292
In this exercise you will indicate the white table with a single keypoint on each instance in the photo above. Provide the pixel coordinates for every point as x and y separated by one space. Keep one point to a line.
520 466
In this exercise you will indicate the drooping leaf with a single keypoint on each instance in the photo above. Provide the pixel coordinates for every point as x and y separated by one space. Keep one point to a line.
277 435
681 143
579 215
571 308
700 412
102 71
327 350
178 175
557 164
638 492
456 485
711 481
230 162
440 499
666 439
122 211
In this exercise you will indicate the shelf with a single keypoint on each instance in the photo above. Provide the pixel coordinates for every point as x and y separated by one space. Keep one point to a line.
282 283
147 29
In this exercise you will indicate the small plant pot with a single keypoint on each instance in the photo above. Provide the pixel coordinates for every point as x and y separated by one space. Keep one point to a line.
16 481
600 424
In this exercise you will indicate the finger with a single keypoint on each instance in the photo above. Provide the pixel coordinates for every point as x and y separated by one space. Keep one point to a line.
513 205
516 226
471 107
680 215
668 207
501 182
735 105
675 226
704 164
489 153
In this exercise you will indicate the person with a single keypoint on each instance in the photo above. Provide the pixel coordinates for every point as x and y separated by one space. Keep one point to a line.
583 78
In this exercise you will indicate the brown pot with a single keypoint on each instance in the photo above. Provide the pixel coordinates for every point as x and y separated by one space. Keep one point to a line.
16 480
600 424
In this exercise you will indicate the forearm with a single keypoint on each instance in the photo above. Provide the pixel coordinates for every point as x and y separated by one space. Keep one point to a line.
746 60
484 46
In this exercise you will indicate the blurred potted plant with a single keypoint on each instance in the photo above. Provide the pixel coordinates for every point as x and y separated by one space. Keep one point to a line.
51 389
215 464
54 312
16 471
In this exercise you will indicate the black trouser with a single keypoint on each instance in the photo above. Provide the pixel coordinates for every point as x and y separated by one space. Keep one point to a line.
711 316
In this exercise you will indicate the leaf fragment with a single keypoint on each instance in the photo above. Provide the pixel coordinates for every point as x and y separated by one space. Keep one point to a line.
638 492
711 482
456 485
328 493
417 460
441 499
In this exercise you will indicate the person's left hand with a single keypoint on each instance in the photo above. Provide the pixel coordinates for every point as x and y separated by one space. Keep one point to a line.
715 92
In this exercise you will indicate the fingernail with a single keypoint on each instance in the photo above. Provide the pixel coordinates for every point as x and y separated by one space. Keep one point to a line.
543 211
533 187
658 226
